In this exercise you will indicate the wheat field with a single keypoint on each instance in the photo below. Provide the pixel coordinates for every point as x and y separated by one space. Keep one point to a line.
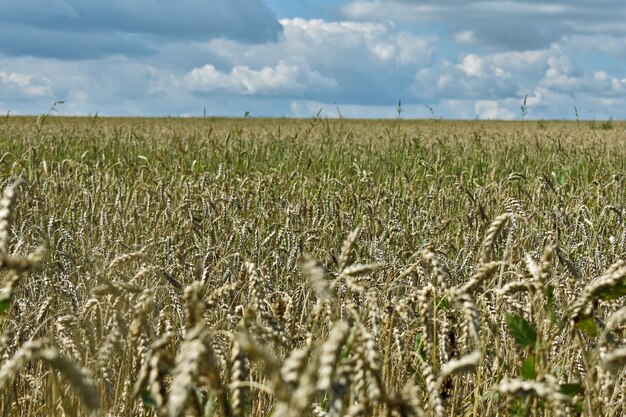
251 267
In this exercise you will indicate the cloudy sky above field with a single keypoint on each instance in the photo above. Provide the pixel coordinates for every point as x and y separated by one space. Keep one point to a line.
460 58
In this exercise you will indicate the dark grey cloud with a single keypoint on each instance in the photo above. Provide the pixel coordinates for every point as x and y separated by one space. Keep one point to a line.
91 28
62 44
518 25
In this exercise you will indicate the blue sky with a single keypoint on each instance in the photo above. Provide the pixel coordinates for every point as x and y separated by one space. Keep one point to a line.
463 58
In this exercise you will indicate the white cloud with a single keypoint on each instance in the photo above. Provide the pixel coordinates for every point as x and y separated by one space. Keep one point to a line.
377 40
528 62
486 76
502 65
465 37
473 66
207 78
473 77
384 51
23 84
414 50
283 78
597 83
552 78
329 61
492 110
332 44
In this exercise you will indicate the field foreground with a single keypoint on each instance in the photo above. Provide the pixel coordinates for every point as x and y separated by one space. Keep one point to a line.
325 268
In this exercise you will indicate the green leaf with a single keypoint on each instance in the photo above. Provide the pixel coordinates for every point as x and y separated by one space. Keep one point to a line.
345 352
571 389
418 342
522 331
147 399
577 408
519 408
612 292
5 301
528 368
211 404
444 303
554 318
588 326
550 295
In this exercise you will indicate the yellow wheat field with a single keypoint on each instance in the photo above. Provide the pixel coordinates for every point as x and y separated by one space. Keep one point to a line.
218 267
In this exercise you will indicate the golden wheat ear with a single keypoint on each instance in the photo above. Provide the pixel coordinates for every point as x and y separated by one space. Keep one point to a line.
7 206
78 377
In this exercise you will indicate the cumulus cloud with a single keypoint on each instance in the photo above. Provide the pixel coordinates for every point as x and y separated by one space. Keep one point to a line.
564 77
496 84
374 42
473 77
492 110
20 84
284 78
328 60
512 24
333 44
487 76
118 86
51 28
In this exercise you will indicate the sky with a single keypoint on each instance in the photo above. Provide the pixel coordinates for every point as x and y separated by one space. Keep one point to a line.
456 59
